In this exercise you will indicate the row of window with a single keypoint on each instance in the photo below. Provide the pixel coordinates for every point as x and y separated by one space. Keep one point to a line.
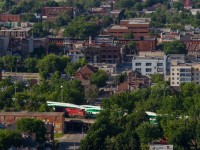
173 82
182 70
184 79
109 56
147 69
148 64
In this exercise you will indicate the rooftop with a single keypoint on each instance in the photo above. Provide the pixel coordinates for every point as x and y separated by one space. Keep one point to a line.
118 27
116 11
148 57
15 29
25 113
139 20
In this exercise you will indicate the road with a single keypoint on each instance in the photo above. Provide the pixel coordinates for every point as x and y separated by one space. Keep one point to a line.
70 141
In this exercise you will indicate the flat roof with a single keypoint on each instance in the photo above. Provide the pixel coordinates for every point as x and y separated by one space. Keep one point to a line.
118 27
115 11
147 57
32 113
138 20
15 29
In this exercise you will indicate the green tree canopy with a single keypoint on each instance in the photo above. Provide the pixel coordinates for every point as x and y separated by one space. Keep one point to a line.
51 63
82 27
31 125
175 47
99 78
9 138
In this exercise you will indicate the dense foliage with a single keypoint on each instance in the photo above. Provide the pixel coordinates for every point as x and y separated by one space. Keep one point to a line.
123 123
30 125
99 78
9 138
175 47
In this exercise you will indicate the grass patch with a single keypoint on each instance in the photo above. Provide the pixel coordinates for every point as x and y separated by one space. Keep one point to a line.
58 135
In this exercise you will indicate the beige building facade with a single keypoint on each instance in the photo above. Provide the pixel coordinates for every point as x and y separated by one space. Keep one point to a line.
15 32
183 73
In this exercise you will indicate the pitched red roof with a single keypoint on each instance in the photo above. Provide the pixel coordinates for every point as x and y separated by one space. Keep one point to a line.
85 72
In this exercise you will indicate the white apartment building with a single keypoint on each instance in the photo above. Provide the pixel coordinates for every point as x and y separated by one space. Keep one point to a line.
149 65
182 73
75 55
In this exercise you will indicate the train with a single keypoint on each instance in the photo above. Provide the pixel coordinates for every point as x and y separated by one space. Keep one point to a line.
76 111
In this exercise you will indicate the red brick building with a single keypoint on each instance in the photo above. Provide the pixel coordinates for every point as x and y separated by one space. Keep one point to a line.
134 81
62 41
192 44
143 45
85 72
187 4
137 26
9 18
55 118
51 13
110 54
104 53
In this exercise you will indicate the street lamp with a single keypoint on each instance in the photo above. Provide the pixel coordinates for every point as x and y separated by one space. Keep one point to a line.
15 87
61 93
27 85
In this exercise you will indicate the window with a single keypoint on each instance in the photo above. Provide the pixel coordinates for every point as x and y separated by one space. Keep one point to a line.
177 78
137 64
138 69
177 73
160 64
172 73
177 82
148 64
148 69
172 82
172 78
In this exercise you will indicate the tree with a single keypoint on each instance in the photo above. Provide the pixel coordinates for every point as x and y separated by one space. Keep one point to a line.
178 5
50 64
132 47
74 92
28 101
156 78
31 125
9 138
148 132
30 65
182 132
73 67
120 78
91 92
82 27
128 36
99 78
64 18
175 47
9 62
106 21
